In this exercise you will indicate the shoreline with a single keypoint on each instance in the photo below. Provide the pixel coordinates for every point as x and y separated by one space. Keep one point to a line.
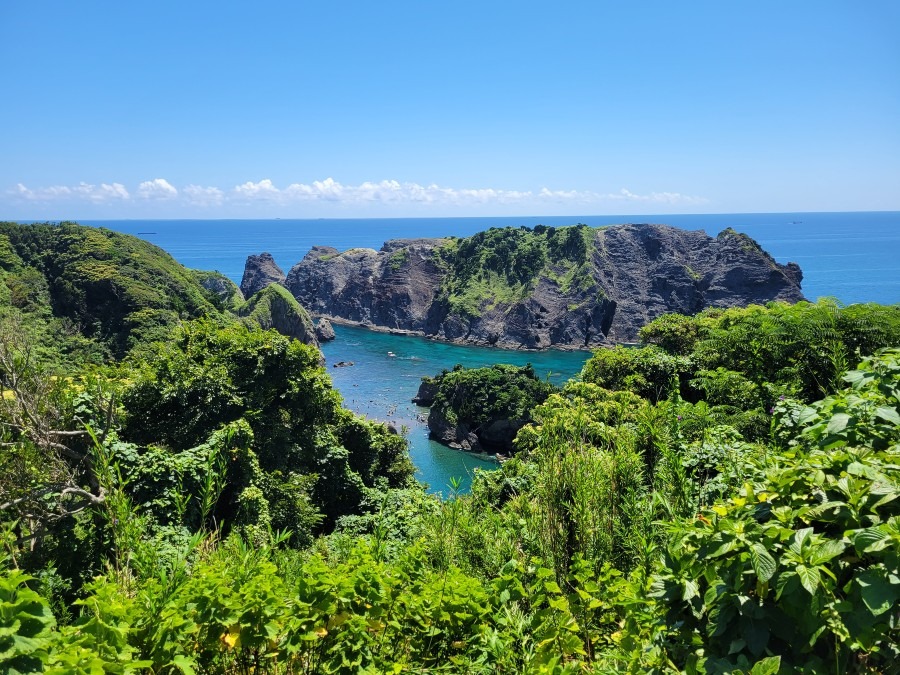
505 346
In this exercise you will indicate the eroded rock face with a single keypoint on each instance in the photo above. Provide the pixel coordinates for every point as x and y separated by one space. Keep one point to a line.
635 273
260 271
391 288
324 330
428 389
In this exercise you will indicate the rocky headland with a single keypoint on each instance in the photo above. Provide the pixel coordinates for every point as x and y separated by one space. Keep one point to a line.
569 287
260 271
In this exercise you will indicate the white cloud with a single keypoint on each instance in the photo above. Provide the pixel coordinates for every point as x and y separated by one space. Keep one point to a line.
368 194
203 196
93 193
158 188
264 189
657 197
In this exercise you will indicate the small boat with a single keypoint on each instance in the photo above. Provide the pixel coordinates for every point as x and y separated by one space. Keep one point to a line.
391 354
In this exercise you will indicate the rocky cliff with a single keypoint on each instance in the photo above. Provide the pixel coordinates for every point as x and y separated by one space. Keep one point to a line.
260 271
548 287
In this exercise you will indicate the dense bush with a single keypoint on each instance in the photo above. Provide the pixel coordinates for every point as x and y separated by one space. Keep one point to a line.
503 264
208 377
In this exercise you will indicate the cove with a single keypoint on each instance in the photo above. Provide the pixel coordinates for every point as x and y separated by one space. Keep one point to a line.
380 386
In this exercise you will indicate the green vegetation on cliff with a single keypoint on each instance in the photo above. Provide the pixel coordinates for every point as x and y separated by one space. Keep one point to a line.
501 265
117 289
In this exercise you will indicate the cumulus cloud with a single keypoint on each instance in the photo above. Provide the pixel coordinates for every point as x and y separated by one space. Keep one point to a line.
85 191
158 188
395 192
203 196
264 189
331 192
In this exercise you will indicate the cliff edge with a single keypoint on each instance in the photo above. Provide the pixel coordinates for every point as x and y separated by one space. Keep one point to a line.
576 287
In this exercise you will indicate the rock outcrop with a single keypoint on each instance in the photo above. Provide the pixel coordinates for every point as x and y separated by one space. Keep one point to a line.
428 389
274 307
597 286
260 271
324 330
505 397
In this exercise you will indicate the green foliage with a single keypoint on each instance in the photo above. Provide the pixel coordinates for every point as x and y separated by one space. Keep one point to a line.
115 288
649 371
804 562
209 376
675 333
501 265
275 307
398 259
689 506
25 625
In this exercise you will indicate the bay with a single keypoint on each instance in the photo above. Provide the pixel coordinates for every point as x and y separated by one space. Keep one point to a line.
849 256
381 386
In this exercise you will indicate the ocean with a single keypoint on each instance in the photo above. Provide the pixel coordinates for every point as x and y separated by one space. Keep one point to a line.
854 257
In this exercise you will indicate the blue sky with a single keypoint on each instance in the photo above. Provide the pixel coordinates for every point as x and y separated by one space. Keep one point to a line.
364 109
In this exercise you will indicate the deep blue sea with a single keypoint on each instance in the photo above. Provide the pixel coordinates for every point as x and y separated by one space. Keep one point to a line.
854 257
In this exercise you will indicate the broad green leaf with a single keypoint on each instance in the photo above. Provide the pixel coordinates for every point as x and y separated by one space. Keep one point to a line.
763 563
878 592
184 663
837 423
797 540
756 633
767 666
826 551
809 578
888 414
691 589
782 582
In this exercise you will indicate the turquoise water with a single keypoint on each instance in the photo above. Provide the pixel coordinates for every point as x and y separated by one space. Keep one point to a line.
854 257
380 387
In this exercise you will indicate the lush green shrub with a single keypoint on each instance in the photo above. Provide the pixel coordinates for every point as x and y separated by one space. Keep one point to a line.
209 376
650 371
804 562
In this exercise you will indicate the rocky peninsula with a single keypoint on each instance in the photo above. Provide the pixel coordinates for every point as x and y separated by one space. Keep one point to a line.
566 287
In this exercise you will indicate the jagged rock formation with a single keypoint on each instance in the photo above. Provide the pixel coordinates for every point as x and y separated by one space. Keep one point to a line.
260 271
324 331
274 307
550 287
428 389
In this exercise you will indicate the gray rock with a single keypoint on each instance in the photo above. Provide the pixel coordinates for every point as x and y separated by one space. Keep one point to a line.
260 271
428 389
636 273
324 330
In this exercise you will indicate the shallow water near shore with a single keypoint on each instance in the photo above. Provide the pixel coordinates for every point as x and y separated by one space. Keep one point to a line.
381 386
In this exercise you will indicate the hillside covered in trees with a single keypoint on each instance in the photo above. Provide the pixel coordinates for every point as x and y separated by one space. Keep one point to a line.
182 492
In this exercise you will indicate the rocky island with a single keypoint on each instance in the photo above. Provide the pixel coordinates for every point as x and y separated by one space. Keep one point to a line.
522 288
